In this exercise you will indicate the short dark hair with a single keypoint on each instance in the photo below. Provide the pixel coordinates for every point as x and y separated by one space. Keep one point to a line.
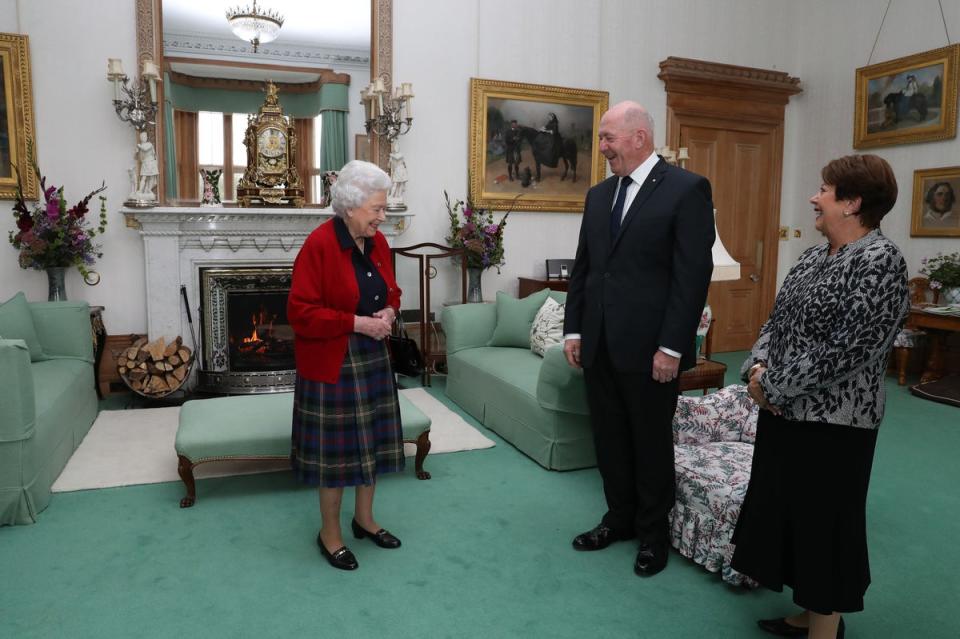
933 189
868 177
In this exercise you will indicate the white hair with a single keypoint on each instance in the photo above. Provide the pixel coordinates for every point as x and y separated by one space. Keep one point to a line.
355 184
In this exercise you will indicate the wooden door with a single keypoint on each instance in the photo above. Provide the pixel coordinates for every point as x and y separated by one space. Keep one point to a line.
731 121
738 164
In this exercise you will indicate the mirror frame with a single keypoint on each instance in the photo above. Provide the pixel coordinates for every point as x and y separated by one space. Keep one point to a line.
150 45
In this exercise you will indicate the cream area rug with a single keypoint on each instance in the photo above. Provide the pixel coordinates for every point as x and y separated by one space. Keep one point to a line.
128 447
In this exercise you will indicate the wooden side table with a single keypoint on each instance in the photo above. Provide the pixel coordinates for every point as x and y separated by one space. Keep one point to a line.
530 285
707 373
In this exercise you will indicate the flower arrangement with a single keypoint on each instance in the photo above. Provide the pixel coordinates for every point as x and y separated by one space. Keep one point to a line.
943 270
477 233
52 235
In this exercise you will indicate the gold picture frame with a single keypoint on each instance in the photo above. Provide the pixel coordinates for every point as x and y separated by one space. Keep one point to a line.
936 208
562 123
907 100
16 117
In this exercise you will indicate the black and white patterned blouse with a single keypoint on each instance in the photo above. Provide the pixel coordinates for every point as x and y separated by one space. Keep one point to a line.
833 324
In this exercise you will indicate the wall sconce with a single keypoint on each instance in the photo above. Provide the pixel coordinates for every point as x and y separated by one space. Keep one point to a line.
675 157
390 115
136 103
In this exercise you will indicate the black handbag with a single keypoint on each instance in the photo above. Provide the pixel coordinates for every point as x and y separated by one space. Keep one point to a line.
404 352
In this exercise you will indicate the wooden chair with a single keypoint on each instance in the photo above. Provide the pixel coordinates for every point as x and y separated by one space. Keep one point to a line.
425 330
707 373
910 338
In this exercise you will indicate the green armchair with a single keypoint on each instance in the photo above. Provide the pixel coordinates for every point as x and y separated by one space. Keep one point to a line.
48 400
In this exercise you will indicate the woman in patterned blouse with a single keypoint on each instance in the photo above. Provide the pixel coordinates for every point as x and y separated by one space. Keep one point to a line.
817 373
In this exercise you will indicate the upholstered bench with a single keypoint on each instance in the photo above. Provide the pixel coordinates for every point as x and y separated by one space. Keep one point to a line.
254 427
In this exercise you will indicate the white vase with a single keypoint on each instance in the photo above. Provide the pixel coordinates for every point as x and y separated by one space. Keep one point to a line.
950 295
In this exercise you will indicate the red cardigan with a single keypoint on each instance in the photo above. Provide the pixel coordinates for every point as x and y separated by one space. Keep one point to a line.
323 300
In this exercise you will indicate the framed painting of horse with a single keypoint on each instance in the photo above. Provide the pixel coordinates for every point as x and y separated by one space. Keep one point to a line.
907 100
535 141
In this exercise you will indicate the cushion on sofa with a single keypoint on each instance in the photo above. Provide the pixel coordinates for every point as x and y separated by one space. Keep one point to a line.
547 327
16 322
514 317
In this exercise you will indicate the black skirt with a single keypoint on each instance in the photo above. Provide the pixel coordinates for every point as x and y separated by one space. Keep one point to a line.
803 520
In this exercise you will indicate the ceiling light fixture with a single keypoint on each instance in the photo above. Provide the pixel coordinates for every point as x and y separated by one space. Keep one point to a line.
255 25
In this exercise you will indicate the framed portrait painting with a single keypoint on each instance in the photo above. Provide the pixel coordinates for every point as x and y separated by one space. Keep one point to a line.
16 117
936 211
534 141
361 147
911 99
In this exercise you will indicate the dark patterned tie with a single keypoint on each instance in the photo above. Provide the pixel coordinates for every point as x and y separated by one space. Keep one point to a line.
616 215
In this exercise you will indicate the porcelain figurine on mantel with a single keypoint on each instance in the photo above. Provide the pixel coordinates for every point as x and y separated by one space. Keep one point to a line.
146 171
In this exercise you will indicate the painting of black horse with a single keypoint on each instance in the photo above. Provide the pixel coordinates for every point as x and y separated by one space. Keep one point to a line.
549 147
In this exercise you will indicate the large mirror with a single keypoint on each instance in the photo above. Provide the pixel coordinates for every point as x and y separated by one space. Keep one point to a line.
213 78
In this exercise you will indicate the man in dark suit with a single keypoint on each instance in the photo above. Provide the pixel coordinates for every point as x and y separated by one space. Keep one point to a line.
635 297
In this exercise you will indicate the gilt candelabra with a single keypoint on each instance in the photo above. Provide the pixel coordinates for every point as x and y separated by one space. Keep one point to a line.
389 115
136 102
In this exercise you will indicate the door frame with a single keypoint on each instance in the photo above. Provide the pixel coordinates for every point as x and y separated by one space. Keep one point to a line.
706 94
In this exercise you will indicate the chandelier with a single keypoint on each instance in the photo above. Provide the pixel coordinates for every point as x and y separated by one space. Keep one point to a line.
255 25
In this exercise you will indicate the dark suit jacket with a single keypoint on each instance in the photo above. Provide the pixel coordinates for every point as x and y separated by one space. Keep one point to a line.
648 289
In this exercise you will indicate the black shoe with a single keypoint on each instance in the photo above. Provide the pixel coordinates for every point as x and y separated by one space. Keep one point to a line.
381 538
341 558
651 559
781 628
598 538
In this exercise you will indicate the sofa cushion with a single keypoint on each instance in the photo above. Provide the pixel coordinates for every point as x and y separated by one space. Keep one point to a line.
16 322
514 317
547 327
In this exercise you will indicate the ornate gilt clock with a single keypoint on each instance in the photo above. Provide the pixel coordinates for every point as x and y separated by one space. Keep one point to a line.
271 177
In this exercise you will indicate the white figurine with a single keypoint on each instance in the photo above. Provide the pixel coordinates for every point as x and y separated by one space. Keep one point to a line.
398 173
147 158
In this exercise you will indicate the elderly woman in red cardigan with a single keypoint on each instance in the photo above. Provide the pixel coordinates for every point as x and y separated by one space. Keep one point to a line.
346 417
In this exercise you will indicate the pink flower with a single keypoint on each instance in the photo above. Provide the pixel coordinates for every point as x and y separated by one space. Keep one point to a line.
492 229
467 213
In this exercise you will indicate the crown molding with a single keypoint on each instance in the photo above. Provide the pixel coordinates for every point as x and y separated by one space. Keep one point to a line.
234 49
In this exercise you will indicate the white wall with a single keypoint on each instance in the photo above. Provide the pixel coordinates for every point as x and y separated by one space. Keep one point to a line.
611 45
837 38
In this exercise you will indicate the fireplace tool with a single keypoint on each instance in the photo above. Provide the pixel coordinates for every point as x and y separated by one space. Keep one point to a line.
186 306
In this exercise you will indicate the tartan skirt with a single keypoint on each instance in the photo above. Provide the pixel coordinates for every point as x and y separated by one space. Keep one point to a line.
347 433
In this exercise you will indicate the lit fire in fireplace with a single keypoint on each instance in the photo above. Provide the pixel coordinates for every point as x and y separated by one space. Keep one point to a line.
262 321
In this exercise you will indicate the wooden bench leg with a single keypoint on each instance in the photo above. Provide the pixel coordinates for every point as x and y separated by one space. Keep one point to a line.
185 468
423 447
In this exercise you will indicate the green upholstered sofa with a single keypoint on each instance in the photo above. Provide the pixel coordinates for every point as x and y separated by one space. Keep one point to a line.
48 400
538 404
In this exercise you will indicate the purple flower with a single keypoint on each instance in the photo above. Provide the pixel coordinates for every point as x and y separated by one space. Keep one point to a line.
492 229
467 213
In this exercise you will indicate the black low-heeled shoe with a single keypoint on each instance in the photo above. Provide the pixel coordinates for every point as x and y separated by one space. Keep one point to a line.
780 627
341 558
381 538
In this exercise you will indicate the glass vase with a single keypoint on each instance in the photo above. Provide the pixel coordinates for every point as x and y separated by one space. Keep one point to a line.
57 286
474 292
950 295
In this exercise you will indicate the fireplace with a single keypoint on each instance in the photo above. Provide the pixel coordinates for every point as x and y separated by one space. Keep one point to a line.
247 339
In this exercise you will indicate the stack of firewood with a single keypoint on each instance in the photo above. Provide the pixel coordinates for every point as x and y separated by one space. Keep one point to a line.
155 369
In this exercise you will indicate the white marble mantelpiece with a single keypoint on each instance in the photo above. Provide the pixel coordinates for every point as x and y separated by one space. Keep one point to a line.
179 241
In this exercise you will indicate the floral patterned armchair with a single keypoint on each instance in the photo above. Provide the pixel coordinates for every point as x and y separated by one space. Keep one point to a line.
713 440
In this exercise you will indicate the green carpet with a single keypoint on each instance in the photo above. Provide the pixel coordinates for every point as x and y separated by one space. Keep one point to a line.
486 553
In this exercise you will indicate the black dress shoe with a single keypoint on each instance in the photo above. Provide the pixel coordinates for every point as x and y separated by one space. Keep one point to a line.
598 538
381 538
780 627
341 558
651 559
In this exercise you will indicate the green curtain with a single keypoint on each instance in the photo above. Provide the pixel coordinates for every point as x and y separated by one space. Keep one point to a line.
170 142
298 105
333 140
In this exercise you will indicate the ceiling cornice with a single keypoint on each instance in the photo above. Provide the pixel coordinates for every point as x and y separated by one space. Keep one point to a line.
188 45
